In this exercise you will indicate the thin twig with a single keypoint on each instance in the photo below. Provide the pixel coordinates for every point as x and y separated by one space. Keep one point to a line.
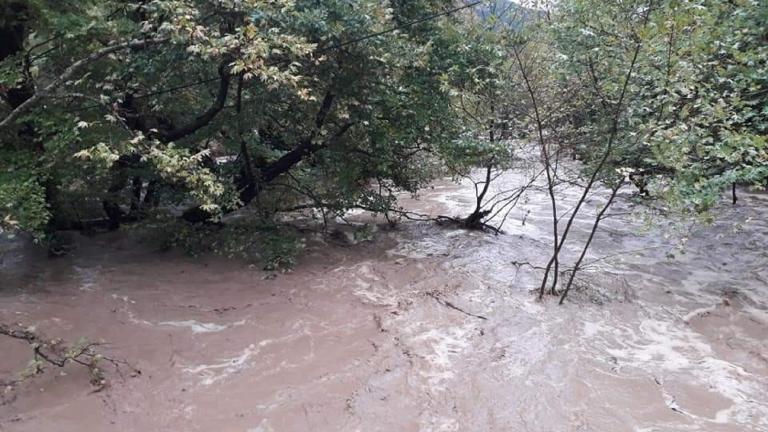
450 305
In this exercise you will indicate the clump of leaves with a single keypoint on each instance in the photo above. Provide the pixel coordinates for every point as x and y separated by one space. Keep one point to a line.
22 195
365 232
280 249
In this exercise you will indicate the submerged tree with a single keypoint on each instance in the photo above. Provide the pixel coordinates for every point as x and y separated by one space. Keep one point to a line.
480 84
668 94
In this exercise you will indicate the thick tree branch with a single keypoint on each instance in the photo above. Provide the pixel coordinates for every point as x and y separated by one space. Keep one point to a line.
305 147
72 70
206 117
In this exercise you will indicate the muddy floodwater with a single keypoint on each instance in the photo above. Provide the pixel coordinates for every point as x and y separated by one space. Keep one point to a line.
425 328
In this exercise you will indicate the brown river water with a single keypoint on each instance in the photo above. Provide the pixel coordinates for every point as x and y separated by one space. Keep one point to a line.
389 335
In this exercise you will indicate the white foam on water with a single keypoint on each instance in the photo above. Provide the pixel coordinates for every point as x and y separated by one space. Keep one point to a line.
439 347
439 423
698 313
669 347
201 327
440 242
368 286
262 427
87 278
214 372
371 288
591 329
124 299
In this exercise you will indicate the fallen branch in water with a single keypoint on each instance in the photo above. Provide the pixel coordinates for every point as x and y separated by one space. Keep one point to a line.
448 304
409 215
519 264
54 352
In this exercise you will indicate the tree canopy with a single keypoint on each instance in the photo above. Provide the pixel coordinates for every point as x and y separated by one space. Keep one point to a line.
116 111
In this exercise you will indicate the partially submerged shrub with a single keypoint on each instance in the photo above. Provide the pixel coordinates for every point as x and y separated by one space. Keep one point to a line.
273 245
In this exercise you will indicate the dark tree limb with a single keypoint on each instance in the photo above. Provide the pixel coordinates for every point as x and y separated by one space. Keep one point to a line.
450 305
475 219
619 107
247 181
162 128
600 216
286 162
70 72
206 117
55 352
548 169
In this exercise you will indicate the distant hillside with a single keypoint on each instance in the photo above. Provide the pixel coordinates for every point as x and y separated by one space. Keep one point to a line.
508 13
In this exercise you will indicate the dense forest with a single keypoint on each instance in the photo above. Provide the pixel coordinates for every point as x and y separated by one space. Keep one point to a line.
218 127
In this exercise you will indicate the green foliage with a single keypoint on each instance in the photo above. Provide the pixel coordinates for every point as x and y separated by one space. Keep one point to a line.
22 194
236 87
477 75
286 103
273 246
695 111
711 119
